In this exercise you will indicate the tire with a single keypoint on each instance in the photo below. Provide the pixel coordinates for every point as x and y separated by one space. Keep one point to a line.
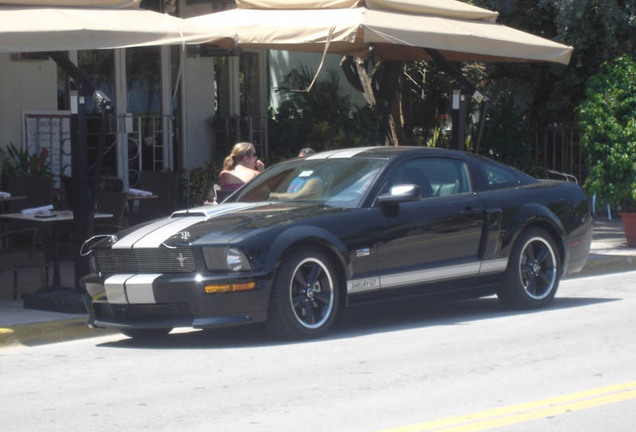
533 272
305 296
146 334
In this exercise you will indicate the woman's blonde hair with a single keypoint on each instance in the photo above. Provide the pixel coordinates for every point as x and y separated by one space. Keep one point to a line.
239 151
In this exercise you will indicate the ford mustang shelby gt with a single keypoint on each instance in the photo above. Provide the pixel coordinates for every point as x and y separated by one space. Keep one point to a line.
308 237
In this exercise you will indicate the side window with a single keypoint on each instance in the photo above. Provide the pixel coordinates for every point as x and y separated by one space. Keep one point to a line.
435 176
498 177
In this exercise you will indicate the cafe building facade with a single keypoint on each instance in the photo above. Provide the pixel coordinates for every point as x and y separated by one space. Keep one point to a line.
175 107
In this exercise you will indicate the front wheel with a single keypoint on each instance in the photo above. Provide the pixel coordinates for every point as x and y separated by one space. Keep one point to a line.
305 295
533 272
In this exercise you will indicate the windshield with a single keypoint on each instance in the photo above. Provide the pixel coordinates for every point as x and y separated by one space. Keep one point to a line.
333 182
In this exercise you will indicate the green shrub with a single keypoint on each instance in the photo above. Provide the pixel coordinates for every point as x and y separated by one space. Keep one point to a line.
323 118
507 135
608 124
196 189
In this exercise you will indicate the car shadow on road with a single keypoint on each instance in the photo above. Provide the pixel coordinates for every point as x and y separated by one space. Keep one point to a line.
397 315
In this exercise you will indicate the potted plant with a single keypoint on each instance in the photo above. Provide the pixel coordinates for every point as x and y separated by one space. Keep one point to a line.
17 162
29 175
608 124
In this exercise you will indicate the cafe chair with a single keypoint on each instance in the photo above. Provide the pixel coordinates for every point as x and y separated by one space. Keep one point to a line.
18 251
113 203
217 194
111 184
163 184
38 191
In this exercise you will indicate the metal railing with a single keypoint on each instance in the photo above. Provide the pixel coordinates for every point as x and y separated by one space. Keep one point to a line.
558 150
147 144
253 129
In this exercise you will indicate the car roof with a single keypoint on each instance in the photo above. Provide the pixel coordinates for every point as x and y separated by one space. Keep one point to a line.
382 152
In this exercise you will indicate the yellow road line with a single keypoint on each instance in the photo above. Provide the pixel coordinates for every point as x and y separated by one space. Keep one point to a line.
520 413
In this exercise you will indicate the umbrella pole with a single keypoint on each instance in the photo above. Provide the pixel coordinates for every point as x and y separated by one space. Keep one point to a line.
459 108
82 211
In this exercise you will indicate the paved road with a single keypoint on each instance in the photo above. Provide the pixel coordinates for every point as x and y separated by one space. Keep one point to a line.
470 366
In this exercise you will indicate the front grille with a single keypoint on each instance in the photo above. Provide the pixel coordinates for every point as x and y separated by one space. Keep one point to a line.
179 260
140 313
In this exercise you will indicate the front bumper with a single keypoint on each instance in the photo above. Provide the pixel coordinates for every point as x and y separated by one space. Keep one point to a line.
127 301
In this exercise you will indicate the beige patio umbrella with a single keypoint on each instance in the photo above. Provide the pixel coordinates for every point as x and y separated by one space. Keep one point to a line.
386 29
63 25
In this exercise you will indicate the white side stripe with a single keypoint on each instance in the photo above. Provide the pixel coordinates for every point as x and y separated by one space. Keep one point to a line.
493 266
398 280
430 275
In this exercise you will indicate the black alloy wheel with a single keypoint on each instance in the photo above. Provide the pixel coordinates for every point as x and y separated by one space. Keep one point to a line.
305 295
534 270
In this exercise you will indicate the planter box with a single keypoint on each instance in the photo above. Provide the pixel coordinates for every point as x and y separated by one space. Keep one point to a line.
629 224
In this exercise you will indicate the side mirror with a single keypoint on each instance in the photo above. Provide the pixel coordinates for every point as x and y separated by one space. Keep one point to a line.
401 193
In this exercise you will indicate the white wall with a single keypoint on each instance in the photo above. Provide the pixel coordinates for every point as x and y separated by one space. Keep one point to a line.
198 81
24 85
198 100
282 62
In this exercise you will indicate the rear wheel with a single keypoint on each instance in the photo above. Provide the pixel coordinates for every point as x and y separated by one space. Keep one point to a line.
146 334
534 270
305 296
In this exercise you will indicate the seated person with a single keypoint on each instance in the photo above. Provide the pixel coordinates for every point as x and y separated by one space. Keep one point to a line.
303 187
229 182
241 166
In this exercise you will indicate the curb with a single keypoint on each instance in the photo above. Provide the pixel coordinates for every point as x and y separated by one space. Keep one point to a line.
48 332
601 265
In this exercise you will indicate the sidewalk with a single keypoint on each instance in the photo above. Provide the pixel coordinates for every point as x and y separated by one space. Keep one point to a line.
21 326
609 252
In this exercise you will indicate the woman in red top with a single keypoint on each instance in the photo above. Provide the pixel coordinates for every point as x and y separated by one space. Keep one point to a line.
241 166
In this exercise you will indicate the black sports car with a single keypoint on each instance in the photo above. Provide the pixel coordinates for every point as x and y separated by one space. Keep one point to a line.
308 237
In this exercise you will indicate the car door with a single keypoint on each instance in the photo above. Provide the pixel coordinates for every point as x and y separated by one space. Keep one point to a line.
433 238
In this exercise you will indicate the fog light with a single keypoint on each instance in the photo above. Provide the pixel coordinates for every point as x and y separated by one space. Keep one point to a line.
216 289
247 286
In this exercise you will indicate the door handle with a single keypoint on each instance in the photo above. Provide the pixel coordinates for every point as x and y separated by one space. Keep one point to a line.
469 211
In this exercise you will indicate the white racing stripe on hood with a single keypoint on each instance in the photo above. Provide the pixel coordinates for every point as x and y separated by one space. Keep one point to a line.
152 235
128 241
161 234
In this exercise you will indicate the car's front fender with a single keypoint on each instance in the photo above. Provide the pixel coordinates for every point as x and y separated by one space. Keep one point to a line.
307 235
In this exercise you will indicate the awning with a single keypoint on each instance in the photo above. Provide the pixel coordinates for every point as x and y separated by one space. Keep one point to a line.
386 29
28 28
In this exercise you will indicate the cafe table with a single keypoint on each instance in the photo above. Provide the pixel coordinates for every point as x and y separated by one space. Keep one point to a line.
51 218
11 198
4 199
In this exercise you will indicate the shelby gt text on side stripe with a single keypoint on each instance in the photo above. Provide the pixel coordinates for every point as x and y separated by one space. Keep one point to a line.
309 237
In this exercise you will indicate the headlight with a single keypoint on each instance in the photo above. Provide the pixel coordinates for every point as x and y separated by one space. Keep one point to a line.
224 259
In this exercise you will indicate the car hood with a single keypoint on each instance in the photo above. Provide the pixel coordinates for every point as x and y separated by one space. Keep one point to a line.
221 224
